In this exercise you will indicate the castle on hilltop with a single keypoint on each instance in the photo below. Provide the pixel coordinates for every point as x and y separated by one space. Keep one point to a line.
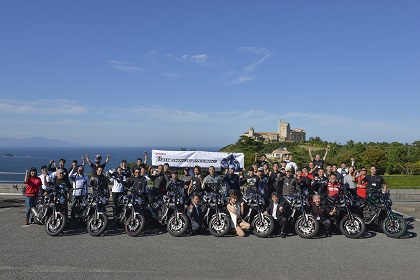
283 134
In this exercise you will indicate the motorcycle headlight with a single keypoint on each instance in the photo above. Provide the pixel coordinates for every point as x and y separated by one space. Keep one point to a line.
104 200
207 198
139 201
126 199
246 199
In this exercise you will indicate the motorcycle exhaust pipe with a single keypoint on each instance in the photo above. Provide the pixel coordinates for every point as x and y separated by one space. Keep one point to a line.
34 212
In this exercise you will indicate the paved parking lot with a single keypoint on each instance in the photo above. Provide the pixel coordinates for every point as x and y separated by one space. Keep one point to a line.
29 253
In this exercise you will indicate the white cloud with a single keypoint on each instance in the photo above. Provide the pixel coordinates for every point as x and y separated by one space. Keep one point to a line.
41 107
245 75
201 59
171 75
124 66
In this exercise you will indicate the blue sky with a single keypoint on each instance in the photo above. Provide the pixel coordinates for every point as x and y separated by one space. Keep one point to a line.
200 73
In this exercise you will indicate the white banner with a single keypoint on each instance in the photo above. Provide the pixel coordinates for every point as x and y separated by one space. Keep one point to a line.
182 159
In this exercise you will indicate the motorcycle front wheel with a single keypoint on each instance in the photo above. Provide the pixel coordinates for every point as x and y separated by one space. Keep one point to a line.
352 228
394 227
134 226
219 226
262 227
97 226
306 229
177 227
55 226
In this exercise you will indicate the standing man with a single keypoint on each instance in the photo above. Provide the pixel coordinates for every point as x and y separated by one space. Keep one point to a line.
212 180
61 164
126 171
375 182
80 184
260 162
318 162
97 164
252 181
159 183
45 179
291 164
273 178
140 163
232 181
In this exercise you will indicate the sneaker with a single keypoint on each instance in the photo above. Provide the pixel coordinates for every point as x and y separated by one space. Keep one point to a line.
282 235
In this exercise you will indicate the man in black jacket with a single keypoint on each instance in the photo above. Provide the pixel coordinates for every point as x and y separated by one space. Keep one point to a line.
195 214
276 210
159 183
322 213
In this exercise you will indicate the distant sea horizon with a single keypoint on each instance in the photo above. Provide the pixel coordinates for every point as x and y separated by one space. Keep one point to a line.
21 159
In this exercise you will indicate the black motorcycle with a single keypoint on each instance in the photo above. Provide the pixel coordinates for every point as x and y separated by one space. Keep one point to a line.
262 226
345 217
376 208
94 212
170 211
131 213
306 225
217 220
53 211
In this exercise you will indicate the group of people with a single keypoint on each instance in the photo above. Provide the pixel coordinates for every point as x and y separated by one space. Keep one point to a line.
274 182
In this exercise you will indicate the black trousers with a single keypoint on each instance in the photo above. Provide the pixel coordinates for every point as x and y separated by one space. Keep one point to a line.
115 206
281 224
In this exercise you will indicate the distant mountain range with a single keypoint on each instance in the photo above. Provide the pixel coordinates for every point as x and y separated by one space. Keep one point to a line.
35 142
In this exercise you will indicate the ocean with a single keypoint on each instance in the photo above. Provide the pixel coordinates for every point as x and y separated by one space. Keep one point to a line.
12 169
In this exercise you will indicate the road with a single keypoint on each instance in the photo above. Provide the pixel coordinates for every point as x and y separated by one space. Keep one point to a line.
27 252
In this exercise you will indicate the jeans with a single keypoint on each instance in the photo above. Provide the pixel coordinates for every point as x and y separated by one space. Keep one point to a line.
327 224
29 202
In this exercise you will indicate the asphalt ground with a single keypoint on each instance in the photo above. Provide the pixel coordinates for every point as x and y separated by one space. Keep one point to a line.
27 252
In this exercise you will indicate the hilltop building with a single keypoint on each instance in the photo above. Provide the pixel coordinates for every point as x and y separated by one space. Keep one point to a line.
279 154
283 134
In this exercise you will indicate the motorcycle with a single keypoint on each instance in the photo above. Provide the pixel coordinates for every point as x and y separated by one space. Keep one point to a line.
262 226
376 208
213 202
306 225
350 224
94 212
51 210
131 213
170 211
39 212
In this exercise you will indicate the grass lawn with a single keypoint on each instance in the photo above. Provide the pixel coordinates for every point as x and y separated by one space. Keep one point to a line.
402 181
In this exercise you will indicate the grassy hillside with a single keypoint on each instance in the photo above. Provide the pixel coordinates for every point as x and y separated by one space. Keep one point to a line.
402 181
